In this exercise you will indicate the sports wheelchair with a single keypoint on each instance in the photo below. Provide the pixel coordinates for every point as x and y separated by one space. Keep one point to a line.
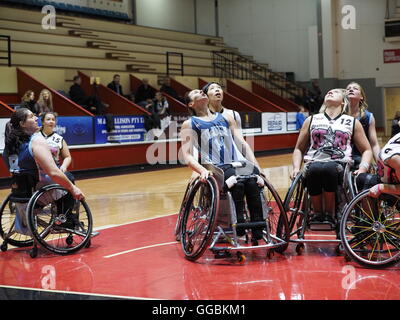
207 219
298 206
49 217
370 230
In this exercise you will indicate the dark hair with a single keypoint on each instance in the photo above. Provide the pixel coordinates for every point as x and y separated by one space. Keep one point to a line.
207 86
116 75
16 135
76 77
44 114
188 100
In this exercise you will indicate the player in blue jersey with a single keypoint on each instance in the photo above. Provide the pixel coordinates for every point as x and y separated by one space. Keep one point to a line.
221 144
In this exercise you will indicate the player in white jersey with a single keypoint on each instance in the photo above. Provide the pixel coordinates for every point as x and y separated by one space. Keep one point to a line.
58 146
388 168
326 140
213 135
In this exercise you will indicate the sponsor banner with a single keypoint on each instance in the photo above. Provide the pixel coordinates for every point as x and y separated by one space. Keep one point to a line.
75 130
178 120
391 55
291 121
274 122
126 129
251 122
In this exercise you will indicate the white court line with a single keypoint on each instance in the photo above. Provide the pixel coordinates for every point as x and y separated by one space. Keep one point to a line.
141 248
126 223
80 293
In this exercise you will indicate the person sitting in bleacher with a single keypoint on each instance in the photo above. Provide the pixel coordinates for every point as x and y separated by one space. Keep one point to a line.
91 103
28 101
144 94
45 102
166 88
115 85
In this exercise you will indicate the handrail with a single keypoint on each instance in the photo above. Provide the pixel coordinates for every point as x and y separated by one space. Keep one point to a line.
226 62
8 49
171 53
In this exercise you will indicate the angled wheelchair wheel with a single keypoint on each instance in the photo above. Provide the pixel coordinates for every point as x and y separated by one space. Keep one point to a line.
294 203
277 218
181 210
7 230
370 230
199 218
57 222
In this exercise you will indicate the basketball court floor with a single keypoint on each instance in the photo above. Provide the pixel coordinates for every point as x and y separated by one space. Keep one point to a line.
136 255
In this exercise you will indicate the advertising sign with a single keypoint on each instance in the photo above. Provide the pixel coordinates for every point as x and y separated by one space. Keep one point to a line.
126 129
274 122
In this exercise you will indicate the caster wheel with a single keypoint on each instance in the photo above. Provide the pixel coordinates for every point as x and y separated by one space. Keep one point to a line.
4 247
69 240
34 252
347 258
241 257
88 244
300 248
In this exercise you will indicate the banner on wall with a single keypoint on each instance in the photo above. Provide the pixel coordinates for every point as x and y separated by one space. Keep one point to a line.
75 130
273 122
291 121
127 129
391 56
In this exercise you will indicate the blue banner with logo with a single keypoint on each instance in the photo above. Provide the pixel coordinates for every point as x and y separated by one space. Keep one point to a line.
126 129
75 130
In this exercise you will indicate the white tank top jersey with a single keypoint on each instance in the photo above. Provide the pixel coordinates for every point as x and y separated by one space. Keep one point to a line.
330 139
391 148
55 142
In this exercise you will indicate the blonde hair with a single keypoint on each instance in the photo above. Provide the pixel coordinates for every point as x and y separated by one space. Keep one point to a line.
45 105
363 105
345 106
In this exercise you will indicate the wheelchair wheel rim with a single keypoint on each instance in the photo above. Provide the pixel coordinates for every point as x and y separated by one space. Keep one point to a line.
370 230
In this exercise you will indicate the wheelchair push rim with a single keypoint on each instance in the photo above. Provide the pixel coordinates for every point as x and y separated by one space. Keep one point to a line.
57 227
7 220
370 230
199 218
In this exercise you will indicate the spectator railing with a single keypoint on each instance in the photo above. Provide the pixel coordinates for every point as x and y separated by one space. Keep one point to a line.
227 64
8 57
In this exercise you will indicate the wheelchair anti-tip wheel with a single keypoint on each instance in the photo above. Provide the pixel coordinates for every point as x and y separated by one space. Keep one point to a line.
199 218
57 222
7 223
370 230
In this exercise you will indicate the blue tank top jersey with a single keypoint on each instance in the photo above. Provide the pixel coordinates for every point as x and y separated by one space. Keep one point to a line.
215 141
24 162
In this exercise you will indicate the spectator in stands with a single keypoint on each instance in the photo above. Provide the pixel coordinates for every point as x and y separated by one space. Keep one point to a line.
91 103
166 88
144 94
161 109
396 124
45 102
115 85
301 116
28 102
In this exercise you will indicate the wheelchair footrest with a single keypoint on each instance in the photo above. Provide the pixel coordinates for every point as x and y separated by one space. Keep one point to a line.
248 225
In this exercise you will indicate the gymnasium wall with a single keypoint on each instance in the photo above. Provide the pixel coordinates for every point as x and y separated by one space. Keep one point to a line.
195 16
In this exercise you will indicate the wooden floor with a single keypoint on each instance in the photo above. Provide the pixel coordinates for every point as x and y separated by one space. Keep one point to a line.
120 199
